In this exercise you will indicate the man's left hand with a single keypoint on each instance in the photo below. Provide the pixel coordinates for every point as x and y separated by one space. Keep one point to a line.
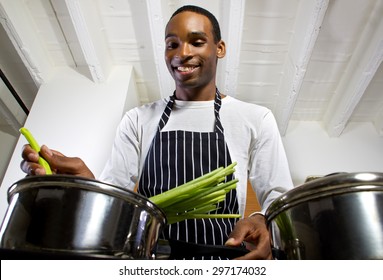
254 232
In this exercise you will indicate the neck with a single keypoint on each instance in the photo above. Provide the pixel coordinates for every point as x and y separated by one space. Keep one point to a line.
196 94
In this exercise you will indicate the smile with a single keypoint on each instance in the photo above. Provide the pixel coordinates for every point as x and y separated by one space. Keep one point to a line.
185 69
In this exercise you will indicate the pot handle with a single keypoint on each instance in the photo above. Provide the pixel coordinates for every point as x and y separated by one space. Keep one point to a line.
278 254
176 249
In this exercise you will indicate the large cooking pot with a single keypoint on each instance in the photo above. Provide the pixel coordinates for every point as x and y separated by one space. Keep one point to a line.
334 217
75 215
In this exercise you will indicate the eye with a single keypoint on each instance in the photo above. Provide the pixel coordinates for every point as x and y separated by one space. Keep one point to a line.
171 45
198 44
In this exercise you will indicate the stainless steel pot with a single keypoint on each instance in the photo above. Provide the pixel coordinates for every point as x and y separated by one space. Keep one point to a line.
75 215
334 217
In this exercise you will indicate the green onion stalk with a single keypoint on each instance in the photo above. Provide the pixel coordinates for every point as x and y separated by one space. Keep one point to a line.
198 198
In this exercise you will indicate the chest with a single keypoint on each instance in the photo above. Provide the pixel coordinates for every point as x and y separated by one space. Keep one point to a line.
191 119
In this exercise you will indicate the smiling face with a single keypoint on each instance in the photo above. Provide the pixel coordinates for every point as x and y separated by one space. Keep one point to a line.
191 53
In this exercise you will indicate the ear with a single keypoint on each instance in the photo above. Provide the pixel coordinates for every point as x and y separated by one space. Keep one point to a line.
221 49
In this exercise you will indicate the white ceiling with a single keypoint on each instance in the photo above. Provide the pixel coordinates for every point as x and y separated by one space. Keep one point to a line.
307 60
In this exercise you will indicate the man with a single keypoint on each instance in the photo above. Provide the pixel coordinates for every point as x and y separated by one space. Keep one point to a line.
197 129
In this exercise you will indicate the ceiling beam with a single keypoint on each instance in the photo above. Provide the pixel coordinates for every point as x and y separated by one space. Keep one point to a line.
15 19
232 26
84 37
310 17
365 61
157 31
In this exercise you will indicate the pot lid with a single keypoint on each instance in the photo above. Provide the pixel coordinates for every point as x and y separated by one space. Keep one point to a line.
333 184
82 183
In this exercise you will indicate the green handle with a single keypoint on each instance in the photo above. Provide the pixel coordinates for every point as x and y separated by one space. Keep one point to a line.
35 146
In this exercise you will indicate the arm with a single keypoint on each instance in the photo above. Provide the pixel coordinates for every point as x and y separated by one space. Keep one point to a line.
270 177
122 167
132 141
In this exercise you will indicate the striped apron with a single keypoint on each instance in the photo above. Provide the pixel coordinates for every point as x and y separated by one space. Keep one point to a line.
176 157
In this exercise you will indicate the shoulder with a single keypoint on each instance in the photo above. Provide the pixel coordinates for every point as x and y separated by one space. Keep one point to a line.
239 117
158 105
143 115
148 110
244 110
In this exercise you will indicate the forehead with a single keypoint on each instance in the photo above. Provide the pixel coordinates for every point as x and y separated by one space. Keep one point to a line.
189 22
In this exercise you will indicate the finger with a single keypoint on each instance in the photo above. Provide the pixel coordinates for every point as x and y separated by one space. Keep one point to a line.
260 243
29 154
32 168
56 159
53 157
29 164
46 150
238 234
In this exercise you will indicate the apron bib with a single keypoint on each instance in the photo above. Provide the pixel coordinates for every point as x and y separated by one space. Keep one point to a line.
176 157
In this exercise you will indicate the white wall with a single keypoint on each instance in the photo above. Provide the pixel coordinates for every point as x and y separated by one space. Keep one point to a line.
77 117
311 151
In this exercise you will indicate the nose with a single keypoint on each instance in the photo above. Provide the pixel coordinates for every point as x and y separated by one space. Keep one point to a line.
184 51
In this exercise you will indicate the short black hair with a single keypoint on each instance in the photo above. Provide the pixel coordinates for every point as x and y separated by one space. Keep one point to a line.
198 10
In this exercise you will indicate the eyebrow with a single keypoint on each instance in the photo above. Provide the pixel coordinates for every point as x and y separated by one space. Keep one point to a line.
191 34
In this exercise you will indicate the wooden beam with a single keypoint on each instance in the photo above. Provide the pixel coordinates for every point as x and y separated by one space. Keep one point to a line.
16 22
232 26
85 43
365 61
157 33
306 29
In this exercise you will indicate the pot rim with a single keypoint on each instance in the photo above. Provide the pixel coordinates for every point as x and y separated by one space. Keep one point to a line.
333 184
87 184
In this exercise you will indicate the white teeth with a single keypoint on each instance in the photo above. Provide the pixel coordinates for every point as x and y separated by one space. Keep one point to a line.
185 69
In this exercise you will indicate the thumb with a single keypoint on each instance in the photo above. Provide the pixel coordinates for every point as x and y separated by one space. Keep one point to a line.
236 236
233 242
45 151
241 231
47 154
54 158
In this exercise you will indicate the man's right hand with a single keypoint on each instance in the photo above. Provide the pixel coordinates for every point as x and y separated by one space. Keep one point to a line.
59 163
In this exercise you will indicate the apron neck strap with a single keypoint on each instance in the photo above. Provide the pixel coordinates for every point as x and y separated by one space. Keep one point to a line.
217 106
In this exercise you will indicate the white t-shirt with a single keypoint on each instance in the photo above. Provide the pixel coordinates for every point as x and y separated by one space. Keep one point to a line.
251 134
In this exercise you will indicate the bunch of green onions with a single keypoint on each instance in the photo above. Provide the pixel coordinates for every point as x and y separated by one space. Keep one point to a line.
197 198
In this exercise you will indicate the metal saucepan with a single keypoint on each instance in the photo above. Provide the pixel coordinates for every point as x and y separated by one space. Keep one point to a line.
61 216
70 214
334 217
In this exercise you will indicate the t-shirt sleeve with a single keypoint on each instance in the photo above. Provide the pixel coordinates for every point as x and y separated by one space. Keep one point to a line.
122 167
269 172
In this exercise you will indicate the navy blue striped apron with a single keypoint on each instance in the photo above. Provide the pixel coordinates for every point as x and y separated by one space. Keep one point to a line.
176 157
